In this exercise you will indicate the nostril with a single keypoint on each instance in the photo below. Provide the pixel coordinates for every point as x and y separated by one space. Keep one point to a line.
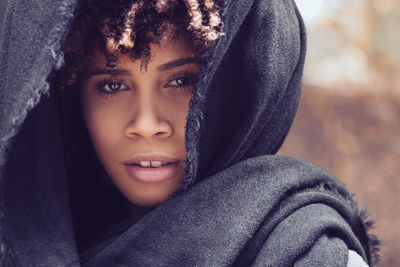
148 127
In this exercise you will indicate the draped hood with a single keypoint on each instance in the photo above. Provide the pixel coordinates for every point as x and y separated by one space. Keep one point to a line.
227 210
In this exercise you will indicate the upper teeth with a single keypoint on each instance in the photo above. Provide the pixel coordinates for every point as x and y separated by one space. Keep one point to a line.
154 164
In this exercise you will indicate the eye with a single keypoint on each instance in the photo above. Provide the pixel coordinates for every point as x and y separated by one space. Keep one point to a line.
181 80
111 87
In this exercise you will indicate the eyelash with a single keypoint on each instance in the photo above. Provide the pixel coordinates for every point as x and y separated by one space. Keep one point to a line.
190 78
108 82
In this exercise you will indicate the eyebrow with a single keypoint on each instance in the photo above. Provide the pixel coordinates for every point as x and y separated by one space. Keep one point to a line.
122 72
167 66
180 62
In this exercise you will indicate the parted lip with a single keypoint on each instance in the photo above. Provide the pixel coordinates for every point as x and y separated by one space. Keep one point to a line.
151 157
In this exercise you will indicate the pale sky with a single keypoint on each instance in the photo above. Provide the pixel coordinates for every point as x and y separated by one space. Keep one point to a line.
311 10
326 64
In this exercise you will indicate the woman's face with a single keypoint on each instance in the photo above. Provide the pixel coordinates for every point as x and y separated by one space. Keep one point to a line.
137 119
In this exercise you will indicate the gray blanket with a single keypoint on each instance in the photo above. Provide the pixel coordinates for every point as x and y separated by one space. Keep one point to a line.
266 211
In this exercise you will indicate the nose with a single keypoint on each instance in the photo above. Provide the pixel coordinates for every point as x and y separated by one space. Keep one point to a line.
148 122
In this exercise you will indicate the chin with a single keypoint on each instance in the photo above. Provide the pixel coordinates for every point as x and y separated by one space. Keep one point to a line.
151 194
146 194
149 200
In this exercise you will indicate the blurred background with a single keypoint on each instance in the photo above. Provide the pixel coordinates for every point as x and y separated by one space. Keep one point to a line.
349 115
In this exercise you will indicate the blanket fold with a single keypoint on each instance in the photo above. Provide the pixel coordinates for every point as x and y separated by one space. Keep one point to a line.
299 219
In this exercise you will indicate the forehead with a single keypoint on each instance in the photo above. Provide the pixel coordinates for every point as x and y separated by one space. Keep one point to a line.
159 54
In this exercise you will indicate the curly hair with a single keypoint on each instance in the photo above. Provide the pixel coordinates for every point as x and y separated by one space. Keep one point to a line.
128 27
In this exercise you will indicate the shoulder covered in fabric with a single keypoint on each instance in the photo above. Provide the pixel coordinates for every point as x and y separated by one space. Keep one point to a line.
285 212
311 217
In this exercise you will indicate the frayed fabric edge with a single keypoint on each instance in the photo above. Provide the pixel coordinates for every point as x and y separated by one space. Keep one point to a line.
373 253
373 241
195 117
40 87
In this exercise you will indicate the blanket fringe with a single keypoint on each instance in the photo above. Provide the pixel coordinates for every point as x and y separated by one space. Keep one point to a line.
373 241
369 224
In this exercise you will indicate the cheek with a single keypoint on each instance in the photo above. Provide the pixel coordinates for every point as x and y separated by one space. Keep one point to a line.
102 124
176 109
102 129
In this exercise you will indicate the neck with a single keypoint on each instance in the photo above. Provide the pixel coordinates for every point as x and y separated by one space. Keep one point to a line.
138 212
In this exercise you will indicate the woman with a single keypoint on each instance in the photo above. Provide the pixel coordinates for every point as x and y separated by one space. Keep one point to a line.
155 143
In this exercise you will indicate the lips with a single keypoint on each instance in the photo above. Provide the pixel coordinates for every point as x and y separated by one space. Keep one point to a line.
151 164
153 167
151 158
